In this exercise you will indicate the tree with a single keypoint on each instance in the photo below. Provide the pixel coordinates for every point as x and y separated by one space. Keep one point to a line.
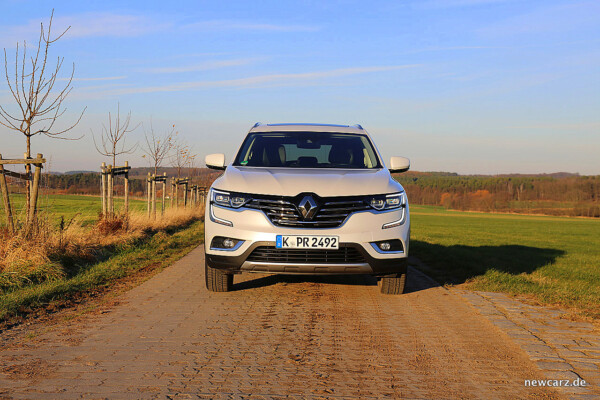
157 148
40 103
181 156
113 136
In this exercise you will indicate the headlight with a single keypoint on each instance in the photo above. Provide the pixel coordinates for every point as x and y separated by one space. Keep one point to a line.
231 200
387 202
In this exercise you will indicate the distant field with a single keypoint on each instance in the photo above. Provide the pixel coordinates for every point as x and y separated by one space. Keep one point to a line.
555 260
84 208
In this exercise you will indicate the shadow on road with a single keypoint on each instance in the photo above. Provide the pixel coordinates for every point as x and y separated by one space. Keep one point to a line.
446 264
457 263
416 280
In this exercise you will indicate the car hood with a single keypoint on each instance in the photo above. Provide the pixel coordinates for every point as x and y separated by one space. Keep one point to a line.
292 181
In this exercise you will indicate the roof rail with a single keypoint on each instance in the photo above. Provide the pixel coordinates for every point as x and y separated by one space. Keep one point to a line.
307 124
359 126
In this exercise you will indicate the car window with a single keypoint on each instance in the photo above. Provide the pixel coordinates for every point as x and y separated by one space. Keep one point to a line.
307 150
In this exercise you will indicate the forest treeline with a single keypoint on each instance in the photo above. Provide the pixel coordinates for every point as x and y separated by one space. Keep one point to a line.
89 183
557 194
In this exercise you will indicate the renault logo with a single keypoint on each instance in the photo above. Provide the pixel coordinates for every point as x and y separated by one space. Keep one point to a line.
307 207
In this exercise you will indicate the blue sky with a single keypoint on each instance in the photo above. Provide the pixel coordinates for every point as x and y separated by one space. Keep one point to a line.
468 86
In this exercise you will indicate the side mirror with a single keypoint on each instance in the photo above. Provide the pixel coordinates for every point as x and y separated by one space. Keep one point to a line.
399 164
215 161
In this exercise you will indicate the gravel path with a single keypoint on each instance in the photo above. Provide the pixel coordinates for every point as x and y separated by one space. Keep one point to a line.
274 337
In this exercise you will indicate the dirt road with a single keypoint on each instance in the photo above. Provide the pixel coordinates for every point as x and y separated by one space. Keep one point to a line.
273 337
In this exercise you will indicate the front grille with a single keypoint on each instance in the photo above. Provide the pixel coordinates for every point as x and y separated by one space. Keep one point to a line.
331 211
344 255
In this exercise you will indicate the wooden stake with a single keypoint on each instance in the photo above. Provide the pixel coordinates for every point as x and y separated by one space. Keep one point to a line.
35 189
126 184
172 190
109 195
103 184
164 189
6 199
31 213
153 197
27 187
185 195
148 196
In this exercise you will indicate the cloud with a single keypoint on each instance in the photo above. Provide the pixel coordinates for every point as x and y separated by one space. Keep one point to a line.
106 78
573 16
107 24
260 80
442 4
85 25
203 66
231 25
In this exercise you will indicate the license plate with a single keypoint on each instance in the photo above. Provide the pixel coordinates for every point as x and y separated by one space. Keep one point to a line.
307 242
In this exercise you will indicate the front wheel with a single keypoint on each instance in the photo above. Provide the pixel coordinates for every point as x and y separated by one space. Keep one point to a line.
217 280
393 284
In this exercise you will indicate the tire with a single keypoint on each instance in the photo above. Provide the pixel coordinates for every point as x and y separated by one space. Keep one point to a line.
217 280
394 284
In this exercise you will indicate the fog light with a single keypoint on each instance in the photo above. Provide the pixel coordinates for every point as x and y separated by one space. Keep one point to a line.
388 246
225 243
385 246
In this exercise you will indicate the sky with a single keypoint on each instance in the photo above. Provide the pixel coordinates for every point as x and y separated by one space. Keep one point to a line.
467 86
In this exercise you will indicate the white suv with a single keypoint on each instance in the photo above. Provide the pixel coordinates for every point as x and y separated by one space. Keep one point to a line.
307 199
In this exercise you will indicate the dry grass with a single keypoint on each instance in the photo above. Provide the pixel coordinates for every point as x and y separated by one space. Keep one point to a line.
53 252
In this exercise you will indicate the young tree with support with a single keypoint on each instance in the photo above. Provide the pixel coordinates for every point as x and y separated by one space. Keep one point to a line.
108 176
32 204
112 144
36 89
152 180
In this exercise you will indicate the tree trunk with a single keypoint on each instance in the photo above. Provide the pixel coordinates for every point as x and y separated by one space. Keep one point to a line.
34 196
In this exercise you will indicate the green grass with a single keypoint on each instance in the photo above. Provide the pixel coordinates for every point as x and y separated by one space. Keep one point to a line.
159 250
84 208
555 260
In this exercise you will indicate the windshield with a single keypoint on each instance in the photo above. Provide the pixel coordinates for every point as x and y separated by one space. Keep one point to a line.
307 150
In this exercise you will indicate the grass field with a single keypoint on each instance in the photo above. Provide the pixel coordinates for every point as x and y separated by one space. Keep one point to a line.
84 208
554 260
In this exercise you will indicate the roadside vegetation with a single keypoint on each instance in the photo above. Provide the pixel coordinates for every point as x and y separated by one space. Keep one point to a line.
551 260
71 254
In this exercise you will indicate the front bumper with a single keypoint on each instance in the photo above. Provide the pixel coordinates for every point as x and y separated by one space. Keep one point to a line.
358 231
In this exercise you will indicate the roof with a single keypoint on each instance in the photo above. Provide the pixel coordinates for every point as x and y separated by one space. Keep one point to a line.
307 127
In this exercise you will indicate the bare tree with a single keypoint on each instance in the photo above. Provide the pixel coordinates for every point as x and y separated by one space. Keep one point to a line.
157 148
180 157
33 87
113 136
